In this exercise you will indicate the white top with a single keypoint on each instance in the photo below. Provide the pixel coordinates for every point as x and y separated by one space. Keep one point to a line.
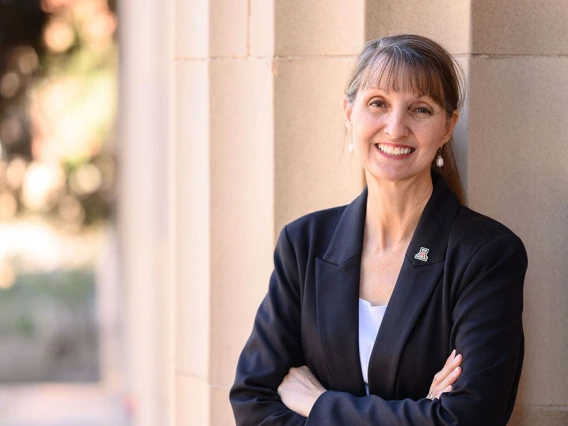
370 318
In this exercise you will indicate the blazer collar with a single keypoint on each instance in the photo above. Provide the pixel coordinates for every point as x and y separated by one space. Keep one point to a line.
337 287
431 232
347 239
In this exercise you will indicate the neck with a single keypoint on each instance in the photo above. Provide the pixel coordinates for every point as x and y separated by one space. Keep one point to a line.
393 211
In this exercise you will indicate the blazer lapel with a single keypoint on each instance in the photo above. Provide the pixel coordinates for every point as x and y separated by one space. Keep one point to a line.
337 295
338 322
413 289
421 271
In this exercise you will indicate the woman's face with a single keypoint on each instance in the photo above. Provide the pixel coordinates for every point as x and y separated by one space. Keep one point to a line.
396 134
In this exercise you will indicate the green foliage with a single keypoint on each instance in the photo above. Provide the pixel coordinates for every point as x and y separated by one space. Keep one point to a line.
35 297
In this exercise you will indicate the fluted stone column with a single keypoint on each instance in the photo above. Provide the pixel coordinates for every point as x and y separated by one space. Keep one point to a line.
259 141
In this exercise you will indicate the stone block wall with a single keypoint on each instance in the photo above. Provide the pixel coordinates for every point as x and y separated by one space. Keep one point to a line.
246 100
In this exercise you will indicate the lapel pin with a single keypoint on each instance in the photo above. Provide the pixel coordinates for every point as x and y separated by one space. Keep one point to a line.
422 254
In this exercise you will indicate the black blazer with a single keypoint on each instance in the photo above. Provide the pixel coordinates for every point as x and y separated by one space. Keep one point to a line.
467 295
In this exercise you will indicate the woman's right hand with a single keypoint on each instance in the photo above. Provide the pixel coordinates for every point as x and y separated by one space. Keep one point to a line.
446 377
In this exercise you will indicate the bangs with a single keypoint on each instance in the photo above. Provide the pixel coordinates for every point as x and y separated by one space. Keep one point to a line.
401 71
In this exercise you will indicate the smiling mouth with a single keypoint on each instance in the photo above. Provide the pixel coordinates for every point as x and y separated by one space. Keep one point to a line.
391 150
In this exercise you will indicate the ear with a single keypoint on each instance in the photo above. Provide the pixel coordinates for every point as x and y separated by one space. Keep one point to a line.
347 110
450 125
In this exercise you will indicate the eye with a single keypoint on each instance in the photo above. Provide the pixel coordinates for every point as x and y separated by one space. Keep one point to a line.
377 103
422 111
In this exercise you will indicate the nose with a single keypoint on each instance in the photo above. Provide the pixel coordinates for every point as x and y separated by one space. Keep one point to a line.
395 124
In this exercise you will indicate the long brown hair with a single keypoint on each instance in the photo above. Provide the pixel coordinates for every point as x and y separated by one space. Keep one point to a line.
414 63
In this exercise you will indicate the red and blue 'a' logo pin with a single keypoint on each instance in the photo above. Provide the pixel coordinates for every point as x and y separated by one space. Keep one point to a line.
422 254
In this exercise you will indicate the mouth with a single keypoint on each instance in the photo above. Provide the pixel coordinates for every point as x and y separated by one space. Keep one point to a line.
394 151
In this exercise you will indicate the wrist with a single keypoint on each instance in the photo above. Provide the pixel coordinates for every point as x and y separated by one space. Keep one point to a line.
313 401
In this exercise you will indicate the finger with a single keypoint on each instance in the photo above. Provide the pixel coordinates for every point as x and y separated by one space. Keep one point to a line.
305 376
302 370
445 390
300 373
448 366
451 363
288 379
447 382
447 376
297 374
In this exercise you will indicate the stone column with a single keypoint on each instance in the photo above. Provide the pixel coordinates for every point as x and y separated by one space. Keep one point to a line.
518 174
146 207
259 142
512 152
316 43
224 114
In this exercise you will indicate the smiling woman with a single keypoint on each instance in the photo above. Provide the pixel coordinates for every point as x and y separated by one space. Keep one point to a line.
404 307
397 133
423 69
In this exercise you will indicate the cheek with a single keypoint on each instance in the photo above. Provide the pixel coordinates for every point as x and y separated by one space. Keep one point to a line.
434 135
365 127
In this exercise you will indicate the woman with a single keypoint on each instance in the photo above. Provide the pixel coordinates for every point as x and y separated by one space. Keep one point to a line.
366 301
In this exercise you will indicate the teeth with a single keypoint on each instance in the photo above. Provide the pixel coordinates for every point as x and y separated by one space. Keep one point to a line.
394 151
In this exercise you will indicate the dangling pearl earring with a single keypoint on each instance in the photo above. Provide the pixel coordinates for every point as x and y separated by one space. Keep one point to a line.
439 158
350 147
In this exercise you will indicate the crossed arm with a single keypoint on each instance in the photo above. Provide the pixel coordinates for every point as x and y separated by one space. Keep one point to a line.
300 389
487 329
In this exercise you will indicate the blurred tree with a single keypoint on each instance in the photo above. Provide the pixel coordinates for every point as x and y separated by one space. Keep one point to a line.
58 66
58 61
21 30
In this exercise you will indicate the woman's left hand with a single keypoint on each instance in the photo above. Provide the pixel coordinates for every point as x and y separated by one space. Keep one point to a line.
299 390
446 377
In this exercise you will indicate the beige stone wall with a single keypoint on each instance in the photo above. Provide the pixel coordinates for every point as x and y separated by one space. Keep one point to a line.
313 53
259 143
245 96
511 142
517 169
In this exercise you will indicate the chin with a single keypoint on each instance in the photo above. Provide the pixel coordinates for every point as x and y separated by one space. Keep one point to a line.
395 176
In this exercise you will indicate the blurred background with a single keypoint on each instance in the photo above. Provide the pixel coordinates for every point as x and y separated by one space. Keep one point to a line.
59 331
148 163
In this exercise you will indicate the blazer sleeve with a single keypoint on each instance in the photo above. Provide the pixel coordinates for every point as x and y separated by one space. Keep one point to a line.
487 330
273 347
